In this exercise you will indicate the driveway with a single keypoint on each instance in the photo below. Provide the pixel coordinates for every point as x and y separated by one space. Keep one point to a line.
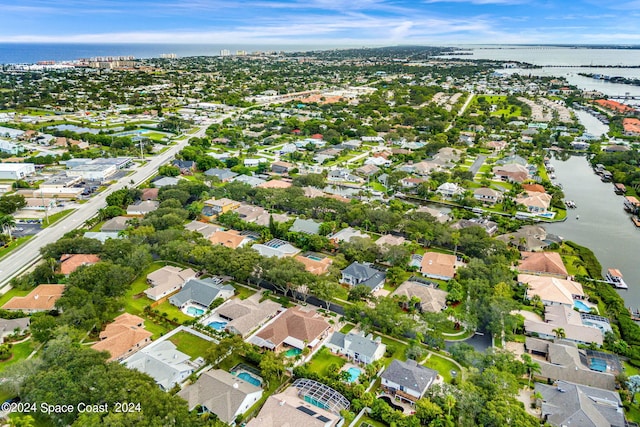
475 167
480 342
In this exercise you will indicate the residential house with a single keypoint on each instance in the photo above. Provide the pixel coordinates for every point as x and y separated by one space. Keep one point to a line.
568 404
102 236
9 327
123 337
438 266
251 181
213 208
368 170
512 172
552 290
186 166
167 280
221 393
150 194
224 175
425 168
202 292
363 274
306 226
407 381
230 238
281 167
542 263
295 328
275 183
527 238
487 225
250 213
315 263
71 262
115 225
439 216
292 407
162 362
142 207
581 328
390 240
342 175
277 248
488 196
410 182
431 299
165 181
356 346
535 202
245 316
204 228
42 298
565 362
450 190
346 234
534 188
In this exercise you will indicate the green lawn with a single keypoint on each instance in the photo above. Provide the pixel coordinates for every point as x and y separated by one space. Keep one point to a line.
134 302
442 365
173 312
322 360
347 328
365 421
11 246
20 352
242 292
399 349
156 329
190 344
13 292
56 217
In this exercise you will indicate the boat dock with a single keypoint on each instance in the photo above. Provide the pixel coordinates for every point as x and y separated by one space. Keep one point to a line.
634 313
636 221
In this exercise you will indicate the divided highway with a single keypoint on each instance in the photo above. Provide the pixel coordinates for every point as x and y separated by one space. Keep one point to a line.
28 254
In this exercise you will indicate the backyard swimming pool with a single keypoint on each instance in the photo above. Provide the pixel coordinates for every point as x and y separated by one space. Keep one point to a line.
581 306
249 378
194 311
293 352
218 326
354 373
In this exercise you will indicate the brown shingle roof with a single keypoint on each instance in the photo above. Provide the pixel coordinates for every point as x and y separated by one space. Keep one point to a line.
122 336
542 263
230 238
314 266
70 262
302 325
437 264
42 298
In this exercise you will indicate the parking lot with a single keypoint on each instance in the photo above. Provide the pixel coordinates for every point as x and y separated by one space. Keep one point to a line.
26 228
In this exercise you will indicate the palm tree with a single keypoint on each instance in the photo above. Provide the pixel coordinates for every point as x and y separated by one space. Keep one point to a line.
449 403
531 366
559 332
7 222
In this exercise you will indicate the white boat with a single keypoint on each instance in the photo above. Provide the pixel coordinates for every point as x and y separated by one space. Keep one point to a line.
614 277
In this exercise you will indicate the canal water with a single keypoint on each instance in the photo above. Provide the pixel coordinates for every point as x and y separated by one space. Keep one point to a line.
604 226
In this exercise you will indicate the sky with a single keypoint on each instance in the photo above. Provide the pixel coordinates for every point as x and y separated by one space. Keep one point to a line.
322 22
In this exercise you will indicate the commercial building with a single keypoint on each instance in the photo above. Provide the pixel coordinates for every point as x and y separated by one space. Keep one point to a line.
16 170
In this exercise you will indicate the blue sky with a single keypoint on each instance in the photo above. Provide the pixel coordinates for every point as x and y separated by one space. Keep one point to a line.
321 22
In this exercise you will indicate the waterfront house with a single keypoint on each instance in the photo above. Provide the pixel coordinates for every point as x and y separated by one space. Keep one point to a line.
221 393
123 337
356 346
407 381
535 202
552 290
450 190
565 362
542 263
487 195
581 328
363 274
631 204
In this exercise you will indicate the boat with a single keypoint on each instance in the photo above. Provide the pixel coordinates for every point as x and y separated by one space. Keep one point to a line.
577 216
614 277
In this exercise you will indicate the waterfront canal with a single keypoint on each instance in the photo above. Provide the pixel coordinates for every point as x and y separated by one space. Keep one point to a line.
604 226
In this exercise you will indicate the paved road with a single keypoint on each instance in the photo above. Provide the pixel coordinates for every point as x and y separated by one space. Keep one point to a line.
462 110
27 254
475 167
